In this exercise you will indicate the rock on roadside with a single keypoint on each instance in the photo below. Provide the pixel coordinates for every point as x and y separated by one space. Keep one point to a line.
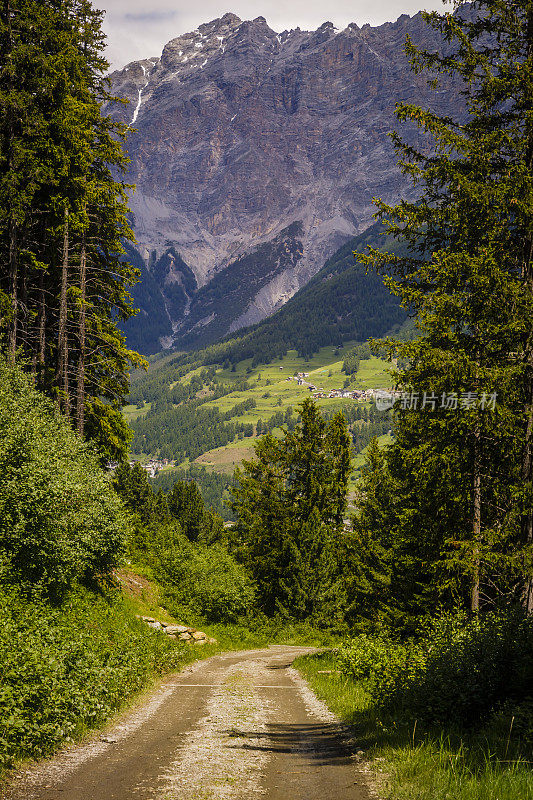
182 632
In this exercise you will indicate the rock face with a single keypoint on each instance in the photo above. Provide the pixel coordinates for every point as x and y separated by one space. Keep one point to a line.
245 137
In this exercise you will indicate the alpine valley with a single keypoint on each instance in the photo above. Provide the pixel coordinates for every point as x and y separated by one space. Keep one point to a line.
256 156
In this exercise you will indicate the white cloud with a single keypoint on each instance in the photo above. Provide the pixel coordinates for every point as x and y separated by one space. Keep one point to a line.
136 29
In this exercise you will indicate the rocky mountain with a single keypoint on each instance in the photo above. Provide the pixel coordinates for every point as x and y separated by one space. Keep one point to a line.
256 155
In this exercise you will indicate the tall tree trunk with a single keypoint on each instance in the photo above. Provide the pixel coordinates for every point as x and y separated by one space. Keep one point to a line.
13 289
62 353
476 528
80 407
527 277
526 472
12 226
23 304
40 350
527 477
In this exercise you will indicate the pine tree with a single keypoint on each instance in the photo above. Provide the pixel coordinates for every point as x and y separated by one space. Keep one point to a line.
290 500
468 278
63 213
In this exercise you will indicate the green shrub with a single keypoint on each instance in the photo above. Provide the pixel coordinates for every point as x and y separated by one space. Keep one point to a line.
68 668
202 580
365 656
523 719
60 520
469 670
456 672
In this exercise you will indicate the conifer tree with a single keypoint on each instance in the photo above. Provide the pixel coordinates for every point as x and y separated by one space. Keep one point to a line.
468 278
290 501
63 213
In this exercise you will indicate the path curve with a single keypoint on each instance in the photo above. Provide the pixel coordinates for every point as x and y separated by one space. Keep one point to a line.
237 726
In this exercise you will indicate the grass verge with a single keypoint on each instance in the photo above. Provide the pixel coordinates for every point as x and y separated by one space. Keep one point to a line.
413 764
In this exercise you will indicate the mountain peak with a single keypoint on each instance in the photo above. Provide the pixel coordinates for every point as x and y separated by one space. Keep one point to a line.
228 20
239 133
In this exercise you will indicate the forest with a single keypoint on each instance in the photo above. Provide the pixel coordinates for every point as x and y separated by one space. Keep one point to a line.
416 580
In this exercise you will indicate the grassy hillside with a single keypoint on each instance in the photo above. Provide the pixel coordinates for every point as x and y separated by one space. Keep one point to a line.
206 407
240 403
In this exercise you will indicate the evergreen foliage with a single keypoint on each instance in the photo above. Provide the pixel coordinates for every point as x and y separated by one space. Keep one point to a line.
290 502
183 432
63 214
353 358
182 504
460 519
213 486
183 542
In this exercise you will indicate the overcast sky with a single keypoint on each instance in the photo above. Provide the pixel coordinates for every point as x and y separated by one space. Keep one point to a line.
140 28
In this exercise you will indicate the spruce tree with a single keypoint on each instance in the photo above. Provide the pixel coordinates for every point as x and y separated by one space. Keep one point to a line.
290 501
469 280
63 214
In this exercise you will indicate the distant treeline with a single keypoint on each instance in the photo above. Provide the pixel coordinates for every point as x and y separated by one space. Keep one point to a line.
353 358
213 486
186 431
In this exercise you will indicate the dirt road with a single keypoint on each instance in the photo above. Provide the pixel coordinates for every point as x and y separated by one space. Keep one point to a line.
232 727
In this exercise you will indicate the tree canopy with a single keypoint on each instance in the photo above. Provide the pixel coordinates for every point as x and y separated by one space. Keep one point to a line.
290 502
63 214
458 505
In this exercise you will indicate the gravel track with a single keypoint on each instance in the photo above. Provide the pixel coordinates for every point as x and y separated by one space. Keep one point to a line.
233 727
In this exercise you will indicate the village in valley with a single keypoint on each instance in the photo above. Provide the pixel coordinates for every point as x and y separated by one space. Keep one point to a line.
267 398
319 393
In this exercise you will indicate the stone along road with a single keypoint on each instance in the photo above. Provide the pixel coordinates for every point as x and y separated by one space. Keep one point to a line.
233 727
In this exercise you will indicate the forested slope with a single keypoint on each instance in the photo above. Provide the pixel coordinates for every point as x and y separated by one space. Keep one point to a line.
344 301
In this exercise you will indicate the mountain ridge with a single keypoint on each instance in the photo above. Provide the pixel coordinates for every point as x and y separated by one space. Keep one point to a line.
241 132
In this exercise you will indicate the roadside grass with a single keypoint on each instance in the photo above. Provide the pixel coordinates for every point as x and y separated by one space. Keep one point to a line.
409 763
142 597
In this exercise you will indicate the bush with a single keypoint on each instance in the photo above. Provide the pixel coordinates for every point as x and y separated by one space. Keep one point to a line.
202 581
60 520
368 658
456 673
68 668
470 670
